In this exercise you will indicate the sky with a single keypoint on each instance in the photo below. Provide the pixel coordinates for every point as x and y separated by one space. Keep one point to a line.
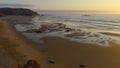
96 5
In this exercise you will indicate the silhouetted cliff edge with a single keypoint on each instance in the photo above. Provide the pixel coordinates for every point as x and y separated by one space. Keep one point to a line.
17 11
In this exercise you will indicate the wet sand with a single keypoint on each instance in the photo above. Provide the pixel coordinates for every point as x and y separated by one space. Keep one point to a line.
111 34
72 54
24 46
66 54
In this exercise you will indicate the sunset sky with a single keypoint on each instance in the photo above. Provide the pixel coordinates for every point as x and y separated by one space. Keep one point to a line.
97 5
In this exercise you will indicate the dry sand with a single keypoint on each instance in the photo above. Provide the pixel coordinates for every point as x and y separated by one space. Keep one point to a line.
66 54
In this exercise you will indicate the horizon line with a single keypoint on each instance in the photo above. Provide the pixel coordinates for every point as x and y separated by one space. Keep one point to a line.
77 10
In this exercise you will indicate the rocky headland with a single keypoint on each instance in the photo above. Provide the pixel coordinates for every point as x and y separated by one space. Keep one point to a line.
17 11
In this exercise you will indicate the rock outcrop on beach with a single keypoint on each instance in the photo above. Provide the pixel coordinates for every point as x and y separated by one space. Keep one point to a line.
51 27
30 64
17 11
1 15
65 31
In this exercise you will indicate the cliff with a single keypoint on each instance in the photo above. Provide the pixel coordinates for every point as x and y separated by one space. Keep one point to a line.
17 11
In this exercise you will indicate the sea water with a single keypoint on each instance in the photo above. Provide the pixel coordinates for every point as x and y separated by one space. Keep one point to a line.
88 20
85 21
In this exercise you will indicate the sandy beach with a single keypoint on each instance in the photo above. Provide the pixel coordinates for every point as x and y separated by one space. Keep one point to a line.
66 54
23 47
72 54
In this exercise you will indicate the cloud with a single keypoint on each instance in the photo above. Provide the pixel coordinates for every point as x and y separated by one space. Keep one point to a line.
16 5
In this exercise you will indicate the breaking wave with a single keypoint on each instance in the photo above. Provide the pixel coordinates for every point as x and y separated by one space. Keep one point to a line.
40 28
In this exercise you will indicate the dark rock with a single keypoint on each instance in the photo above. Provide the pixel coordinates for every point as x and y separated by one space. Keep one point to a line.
41 15
68 29
86 15
32 64
17 11
51 61
1 15
75 34
34 31
50 27
82 66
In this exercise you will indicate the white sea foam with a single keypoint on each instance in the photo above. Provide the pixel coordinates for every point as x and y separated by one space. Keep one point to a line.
77 35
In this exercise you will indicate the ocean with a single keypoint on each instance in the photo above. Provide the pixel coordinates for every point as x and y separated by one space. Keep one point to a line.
88 20
85 26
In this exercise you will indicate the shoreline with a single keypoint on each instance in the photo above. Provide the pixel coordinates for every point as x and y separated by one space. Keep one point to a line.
111 34
66 54
37 30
